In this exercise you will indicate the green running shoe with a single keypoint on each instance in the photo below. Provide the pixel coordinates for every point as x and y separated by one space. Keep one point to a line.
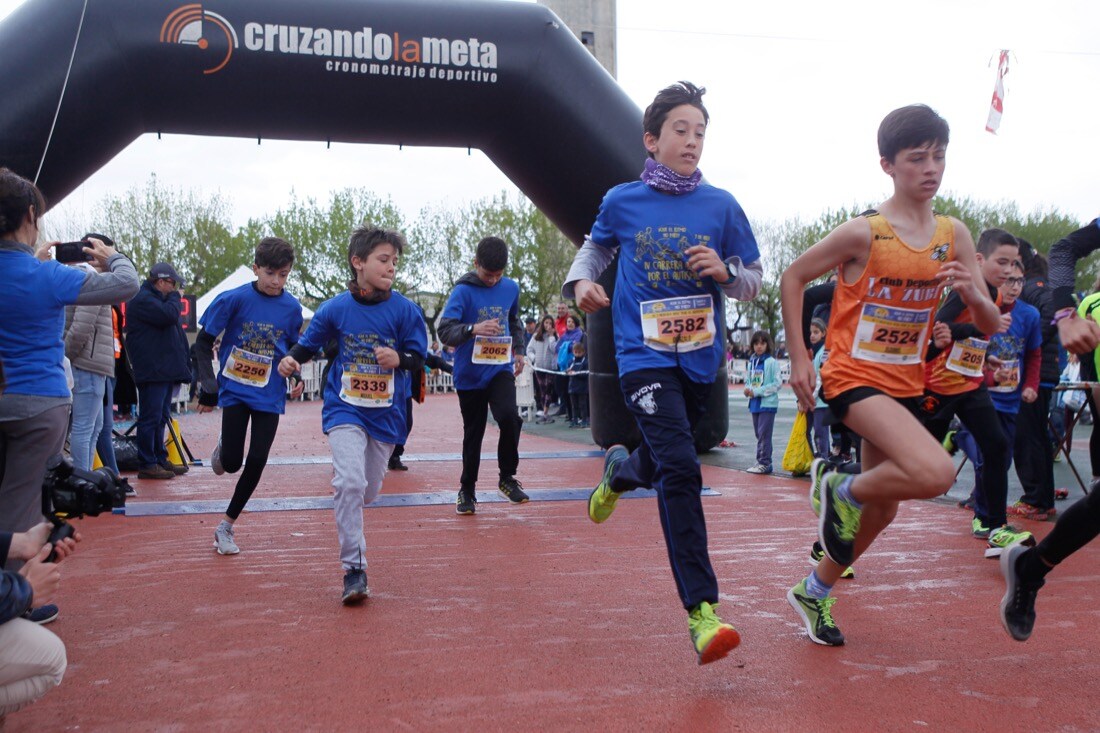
1004 537
816 615
712 637
819 469
601 502
949 443
979 530
817 554
839 521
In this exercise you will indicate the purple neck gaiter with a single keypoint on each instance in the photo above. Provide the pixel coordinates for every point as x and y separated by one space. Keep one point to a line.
664 179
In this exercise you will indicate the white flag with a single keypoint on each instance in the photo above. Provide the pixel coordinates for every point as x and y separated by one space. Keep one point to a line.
997 105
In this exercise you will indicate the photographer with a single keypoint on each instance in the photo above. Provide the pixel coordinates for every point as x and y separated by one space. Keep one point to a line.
32 660
34 407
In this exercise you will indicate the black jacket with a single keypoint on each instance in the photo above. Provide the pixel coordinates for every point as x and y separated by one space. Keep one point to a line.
15 591
1036 292
155 341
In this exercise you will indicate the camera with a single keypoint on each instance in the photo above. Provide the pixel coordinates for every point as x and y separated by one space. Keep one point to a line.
71 493
67 252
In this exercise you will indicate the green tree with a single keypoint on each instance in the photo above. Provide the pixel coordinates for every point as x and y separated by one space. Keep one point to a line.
153 223
320 237
441 250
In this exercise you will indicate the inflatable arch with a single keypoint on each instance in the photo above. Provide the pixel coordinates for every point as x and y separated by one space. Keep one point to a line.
507 78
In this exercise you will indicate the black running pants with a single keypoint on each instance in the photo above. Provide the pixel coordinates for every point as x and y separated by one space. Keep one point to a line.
235 420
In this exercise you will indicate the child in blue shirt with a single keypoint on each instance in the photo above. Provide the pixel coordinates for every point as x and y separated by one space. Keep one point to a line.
682 245
481 320
381 342
762 388
258 323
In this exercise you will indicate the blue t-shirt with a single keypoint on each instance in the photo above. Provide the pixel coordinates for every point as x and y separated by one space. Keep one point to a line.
353 392
32 304
1011 348
257 332
652 230
474 304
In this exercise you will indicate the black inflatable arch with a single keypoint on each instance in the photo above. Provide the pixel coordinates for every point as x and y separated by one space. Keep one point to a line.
507 78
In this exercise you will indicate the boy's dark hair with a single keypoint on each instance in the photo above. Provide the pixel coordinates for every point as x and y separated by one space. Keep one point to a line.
911 127
1036 266
669 98
17 196
766 338
274 253
492 254
992 238
364 240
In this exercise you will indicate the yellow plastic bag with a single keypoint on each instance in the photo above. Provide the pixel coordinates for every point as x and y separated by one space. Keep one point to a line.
798 456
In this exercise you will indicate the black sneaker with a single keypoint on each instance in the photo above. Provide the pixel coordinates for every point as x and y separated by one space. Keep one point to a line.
43 614
395 464
512 490
467 502
355 587
130 490
1018 604
838 523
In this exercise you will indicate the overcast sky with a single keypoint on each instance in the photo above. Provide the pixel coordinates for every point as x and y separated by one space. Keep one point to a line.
796 90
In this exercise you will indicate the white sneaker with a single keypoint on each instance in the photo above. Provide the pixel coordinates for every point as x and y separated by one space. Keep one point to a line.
760 468
223 540
216 461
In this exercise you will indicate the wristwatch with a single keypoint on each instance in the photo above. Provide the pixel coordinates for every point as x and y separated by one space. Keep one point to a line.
469 329
732 273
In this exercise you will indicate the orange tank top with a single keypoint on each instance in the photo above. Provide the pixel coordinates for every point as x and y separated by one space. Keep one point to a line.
958 368
880 324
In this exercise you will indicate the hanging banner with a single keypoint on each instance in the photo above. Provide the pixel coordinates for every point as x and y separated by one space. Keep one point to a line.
996 106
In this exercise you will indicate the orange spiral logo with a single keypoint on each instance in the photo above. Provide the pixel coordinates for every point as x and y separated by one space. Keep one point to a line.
190 25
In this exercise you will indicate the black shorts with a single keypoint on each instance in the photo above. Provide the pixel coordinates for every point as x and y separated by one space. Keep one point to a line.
838 405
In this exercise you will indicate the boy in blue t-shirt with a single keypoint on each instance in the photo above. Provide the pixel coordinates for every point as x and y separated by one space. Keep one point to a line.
258 322
682 244
481 320
381 342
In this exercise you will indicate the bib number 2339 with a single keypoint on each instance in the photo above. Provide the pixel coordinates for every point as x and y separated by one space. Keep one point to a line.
678 324
367 385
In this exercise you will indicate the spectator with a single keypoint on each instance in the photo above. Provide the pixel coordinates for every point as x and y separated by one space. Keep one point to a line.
542 352
159 357
32 660
34 407
529 325
572 334
560 323
578 386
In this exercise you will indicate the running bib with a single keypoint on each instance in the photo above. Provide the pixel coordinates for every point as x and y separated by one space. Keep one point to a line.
494 350
245 367
1013 381
889 335
967 356
367 385
756 378
678 324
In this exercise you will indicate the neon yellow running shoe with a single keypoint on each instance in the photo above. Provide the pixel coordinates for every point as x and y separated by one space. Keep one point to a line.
602 500
839 521
712 637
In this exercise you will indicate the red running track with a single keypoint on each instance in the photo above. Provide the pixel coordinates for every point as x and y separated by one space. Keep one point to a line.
533 618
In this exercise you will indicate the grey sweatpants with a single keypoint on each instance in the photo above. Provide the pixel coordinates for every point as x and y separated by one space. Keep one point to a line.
358 465
32 662
25 446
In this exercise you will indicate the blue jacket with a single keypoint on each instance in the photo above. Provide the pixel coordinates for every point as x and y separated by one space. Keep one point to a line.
763 378
15 591
155 341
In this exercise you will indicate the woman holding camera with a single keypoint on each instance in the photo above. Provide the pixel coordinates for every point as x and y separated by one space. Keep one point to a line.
34 405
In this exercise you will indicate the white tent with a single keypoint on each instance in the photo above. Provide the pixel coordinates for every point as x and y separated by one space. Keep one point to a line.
238 277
